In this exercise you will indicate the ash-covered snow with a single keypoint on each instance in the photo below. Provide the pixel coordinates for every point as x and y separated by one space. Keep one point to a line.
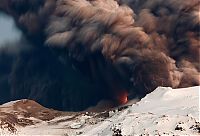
165 111
159 113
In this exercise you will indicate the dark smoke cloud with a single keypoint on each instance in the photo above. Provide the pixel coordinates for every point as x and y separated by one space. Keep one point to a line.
37 73
118 45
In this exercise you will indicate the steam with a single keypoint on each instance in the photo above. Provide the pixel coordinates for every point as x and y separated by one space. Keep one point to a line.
126 46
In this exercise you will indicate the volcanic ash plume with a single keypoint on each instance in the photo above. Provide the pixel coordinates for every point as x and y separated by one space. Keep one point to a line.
126 48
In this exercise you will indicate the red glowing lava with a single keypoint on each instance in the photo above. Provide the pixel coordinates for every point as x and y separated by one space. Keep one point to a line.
122 97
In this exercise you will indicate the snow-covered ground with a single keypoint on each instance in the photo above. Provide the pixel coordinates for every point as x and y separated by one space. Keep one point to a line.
165 111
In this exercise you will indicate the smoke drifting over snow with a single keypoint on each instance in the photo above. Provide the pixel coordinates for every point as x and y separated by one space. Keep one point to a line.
83 51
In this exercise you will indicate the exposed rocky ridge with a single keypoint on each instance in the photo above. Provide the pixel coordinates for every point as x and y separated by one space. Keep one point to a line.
165 111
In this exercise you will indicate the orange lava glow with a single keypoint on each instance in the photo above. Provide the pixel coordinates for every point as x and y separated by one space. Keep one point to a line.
123 97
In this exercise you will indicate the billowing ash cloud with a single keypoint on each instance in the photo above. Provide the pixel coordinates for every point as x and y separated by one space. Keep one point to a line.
120 46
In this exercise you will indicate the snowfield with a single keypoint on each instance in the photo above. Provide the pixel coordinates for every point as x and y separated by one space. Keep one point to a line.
165 111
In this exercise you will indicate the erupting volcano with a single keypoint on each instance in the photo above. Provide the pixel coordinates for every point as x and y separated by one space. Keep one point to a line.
75 53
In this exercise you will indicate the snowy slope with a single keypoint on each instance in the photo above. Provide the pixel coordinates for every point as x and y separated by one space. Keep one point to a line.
158 113
165 111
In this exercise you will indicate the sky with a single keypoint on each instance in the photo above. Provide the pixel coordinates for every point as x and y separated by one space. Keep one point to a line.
8 30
